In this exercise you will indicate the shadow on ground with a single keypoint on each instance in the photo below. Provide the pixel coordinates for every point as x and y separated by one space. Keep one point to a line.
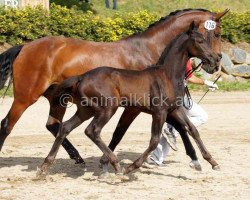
68 168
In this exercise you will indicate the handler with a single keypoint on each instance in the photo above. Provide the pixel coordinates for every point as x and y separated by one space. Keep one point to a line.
195 113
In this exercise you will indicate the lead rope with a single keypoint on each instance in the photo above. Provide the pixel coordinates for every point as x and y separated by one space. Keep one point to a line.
208 89
188 102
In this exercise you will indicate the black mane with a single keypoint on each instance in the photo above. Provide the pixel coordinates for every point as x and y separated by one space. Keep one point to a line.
175 13
163 19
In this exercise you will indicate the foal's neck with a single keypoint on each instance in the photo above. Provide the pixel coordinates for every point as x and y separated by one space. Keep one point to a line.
175 59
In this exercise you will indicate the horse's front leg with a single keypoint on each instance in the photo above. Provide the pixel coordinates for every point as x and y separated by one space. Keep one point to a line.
190 151
125 121
187 125
158 120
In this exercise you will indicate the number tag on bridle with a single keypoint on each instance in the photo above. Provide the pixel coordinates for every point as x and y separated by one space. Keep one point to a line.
210 25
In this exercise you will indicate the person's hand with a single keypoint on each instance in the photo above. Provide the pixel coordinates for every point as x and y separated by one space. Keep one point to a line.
211 86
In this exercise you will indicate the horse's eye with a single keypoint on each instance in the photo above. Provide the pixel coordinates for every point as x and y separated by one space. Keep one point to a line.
217 35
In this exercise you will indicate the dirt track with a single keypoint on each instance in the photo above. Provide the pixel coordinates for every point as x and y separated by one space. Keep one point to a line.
227 136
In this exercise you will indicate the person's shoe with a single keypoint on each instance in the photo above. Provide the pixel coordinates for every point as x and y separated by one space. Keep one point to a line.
171 138
151 164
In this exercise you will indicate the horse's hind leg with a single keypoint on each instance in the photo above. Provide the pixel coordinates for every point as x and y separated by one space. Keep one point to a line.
7 124
157 124
191 129
93 132
190 151
56 114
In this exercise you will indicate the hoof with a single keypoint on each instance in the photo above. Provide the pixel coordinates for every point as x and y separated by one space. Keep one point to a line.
83 166
79 161
104 175
105 168
216 167
122 177
40 174
195 164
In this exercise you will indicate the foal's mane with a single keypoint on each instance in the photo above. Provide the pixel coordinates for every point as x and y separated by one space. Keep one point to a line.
167 18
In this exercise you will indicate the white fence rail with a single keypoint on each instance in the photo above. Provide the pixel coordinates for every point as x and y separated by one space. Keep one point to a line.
23 3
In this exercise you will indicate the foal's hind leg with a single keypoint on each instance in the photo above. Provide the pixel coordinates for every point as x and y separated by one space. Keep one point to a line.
93 132
64 130
126 119
56 114
157 124
191 129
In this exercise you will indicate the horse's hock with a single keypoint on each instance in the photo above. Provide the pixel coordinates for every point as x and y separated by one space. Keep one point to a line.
24 3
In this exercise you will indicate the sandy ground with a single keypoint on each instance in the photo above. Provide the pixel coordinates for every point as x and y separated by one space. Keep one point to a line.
227 136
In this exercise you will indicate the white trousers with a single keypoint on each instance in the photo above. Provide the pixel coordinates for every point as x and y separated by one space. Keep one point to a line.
197 116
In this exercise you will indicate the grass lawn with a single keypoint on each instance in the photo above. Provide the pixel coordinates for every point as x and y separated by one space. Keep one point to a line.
163 7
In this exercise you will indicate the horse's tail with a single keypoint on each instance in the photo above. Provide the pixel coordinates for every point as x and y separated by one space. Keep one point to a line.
7 59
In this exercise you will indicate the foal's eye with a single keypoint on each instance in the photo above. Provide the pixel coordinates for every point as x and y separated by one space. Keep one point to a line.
200 40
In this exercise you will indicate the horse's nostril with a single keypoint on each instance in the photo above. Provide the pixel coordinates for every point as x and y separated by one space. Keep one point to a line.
220 55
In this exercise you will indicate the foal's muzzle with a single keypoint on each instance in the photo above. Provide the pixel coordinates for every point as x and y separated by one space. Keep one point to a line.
212 63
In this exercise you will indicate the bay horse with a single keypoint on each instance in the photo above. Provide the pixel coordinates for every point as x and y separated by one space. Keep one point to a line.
158 90
38 66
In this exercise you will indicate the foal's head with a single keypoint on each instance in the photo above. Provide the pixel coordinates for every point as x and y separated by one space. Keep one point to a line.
199 47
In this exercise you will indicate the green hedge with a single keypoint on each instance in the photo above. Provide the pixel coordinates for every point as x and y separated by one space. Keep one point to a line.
236 27
17 26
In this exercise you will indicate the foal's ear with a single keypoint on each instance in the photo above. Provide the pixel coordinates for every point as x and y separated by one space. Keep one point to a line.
193 27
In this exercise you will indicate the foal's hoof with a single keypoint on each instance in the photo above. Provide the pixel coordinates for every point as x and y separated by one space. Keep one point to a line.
195 164
40 174
216 167
122 177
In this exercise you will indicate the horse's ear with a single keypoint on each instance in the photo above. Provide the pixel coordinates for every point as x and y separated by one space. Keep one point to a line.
219 15
192 28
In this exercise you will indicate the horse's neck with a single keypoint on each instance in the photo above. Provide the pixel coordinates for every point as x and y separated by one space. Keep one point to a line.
160 35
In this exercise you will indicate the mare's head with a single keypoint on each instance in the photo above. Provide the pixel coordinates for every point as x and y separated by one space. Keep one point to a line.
198 47
209 24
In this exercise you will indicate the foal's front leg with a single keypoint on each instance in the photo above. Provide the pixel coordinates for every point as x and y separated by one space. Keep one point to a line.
158 120
187 125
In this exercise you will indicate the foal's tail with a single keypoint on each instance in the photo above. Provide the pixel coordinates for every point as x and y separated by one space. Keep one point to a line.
7 59
67 89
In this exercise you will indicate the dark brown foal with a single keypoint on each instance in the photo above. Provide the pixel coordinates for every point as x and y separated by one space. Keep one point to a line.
156 90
